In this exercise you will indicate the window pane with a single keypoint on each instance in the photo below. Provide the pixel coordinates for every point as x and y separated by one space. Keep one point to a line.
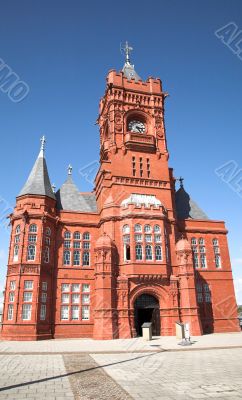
138 238
43 297
48 231
158 253
157 238
126 229
138 251
11 297
10 312
194 241
75 312
126 238
47 254
65 287
76 260
86 258
76 298
77 235
33 228
86 236
26 312
28 296
43 312
157 229
15 255
65 298
12 285
44 285
201 241
148 238
64 312
148 252
147 228
85 298
28 285
31 253
77 245
17 230
217 261
85 312
86 245
67 235
138 228
32 238
199 297
75 287
67 244
67 257
203 261
85 287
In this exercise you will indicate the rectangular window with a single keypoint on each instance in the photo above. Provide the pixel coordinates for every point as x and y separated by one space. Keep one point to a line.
64 312
138 238
194 249
65 287
47 241
217 261
10 312
199 288
76 298
67 257
206 288
43 297
75 312
15 253
26 312
75 287
67 244
202 249
86 245
12 285
85 312
157 238
200 297
28 285
42 312
76 258
17 239
33 238
148 238
77 245
203 261
28 297
194 241
196 260
44 286
11 297
207 298
85 298
65 298
86 258
85 288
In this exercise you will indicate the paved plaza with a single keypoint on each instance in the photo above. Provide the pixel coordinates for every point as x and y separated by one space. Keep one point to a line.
123 370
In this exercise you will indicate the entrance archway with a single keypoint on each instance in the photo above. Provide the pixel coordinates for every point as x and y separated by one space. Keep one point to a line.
146 309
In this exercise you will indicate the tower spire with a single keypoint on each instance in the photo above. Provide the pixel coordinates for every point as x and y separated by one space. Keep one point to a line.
128 68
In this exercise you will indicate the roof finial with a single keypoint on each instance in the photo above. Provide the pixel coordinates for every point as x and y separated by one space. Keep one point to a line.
42 141
127 50
69 169
181 181
53 187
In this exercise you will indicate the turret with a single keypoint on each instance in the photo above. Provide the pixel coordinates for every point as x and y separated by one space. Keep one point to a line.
27 307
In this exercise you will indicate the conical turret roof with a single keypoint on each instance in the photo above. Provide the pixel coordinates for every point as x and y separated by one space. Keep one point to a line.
38 182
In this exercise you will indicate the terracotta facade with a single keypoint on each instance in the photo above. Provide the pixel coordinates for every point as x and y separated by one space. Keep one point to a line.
139 256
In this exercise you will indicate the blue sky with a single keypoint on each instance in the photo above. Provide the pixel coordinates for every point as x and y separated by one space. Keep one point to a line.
63 51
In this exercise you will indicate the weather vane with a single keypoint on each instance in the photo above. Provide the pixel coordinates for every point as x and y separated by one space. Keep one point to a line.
69 169
126 49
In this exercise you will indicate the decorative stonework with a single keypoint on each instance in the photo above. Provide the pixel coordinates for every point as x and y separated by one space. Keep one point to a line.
139 199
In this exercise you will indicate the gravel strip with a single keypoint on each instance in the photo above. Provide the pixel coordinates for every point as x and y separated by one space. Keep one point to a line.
89 381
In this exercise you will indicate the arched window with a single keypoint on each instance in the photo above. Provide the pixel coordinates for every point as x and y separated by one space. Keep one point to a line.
17 230
126 229
194 241
148 252
15 253
33 228
157 229
77 235
47 254
48 231
138 228
138 252
67 257
158 253
76 259
67 235
201 241
86 236
86 258
147 229
31 252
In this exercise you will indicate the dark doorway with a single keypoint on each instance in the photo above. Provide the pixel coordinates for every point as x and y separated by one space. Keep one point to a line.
147 310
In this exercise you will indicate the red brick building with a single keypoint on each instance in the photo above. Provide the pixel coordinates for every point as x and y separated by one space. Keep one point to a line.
135 249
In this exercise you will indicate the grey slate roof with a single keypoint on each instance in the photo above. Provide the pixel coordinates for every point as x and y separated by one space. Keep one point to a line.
186 208
129 72
70 199
38 181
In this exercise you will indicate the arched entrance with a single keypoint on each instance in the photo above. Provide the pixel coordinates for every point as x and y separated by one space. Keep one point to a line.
146 309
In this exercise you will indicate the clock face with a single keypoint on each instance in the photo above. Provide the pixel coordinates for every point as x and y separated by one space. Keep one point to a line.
136 126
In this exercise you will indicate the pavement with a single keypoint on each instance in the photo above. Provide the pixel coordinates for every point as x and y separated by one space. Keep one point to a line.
123 369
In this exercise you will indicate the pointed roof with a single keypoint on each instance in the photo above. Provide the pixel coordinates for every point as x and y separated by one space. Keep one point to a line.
128 68
186 208
38 182
70 199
